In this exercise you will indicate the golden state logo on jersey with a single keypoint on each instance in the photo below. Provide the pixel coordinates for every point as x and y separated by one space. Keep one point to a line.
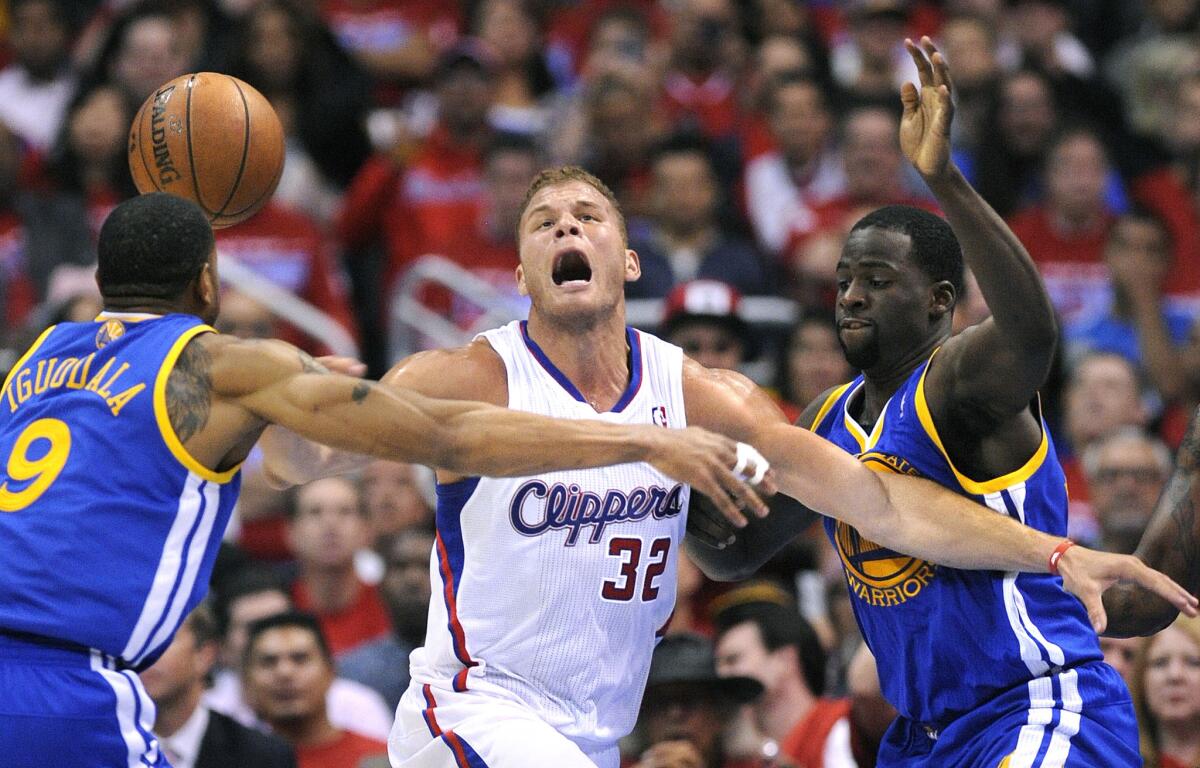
111 330
877 575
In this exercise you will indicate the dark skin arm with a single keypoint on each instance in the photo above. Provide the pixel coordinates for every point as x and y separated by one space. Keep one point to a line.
980 384
1170 544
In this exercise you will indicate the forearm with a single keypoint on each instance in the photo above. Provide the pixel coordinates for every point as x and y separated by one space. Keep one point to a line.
1168 545
751 547
1007 275
289 459
1159 354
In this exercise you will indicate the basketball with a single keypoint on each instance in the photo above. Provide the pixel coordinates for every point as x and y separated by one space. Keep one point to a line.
212 139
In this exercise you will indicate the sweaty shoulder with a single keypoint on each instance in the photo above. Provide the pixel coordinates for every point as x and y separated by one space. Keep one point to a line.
473 372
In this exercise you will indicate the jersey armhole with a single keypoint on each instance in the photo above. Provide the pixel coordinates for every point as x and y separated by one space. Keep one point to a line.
161 416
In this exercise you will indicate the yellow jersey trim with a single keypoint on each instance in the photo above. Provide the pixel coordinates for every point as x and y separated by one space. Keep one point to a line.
865 442
979 488
829 401
25 358
164 421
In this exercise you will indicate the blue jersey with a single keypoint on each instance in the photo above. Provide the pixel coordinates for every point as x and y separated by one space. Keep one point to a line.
948 640
108 527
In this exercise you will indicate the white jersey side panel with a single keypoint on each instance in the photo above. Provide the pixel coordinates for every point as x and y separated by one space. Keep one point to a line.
551 590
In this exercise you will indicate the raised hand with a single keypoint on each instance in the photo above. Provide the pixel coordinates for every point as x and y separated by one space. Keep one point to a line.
1087 573
928 112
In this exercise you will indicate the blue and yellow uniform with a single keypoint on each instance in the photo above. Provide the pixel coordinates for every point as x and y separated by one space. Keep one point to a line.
986 668
108 532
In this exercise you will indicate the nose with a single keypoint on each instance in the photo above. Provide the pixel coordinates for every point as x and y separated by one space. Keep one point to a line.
853 296
567 226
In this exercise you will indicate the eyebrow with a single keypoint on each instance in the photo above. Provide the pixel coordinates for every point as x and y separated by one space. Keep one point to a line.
869 263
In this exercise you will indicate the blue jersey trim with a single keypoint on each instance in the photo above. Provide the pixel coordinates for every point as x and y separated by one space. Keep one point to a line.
451 555
635 365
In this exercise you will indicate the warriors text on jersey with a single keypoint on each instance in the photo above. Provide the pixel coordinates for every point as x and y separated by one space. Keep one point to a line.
109 528
549 591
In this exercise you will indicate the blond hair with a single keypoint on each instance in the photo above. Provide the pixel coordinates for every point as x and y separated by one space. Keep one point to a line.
564 174
1147 722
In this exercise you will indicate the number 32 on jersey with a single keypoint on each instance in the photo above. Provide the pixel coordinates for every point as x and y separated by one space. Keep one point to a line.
629 551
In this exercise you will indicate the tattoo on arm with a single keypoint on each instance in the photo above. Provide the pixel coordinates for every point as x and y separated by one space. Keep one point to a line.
309 364
360 392
189 391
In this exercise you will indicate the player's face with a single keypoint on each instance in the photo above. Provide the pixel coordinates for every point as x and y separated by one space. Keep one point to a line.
286 677
885 303
574 263
1172 682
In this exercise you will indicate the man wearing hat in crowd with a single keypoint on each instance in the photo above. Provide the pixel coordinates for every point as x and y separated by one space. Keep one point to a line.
702 317
687 708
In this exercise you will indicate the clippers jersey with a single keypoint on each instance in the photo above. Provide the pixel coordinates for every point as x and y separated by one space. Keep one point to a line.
948 640
108 527
551 591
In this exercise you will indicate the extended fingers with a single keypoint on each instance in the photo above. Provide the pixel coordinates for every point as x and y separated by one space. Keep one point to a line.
924 68
1163 586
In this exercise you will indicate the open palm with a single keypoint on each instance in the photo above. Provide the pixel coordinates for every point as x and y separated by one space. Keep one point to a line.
925 126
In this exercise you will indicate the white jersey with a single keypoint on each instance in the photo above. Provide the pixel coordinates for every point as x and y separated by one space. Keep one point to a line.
551 591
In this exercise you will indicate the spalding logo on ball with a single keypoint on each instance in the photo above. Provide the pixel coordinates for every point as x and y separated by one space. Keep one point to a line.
212 139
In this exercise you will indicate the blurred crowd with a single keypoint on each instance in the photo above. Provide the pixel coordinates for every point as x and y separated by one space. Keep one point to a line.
743 138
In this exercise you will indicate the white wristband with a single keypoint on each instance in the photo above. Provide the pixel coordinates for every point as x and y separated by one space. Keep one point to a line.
746 454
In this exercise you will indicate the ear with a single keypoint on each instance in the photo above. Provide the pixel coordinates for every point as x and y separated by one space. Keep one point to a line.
206 658
206 286
942 298
633 266
521 287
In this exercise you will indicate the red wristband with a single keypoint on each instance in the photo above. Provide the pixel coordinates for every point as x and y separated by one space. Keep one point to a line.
1057 554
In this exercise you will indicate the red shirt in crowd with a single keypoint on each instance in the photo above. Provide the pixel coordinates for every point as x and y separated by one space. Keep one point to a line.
711 104
289 249
365 619
418 209
349 751
19 294
805 743
1071 264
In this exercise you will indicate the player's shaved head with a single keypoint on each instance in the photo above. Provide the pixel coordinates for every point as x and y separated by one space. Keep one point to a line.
552 177
152 246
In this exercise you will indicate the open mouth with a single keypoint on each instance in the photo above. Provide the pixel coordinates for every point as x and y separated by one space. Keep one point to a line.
571 267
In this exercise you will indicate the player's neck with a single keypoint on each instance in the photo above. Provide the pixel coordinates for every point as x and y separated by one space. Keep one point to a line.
142 305
331 590
884 379
781 710
595 359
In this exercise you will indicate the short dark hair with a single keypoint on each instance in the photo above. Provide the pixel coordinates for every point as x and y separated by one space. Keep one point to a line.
935 249
779 627
685 143
249 580
153 246
304 621
788 79
291 496
202 623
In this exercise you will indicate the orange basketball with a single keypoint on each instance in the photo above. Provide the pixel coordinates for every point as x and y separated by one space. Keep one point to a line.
212 139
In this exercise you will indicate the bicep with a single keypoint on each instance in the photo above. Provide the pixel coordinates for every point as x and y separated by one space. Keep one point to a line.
983 366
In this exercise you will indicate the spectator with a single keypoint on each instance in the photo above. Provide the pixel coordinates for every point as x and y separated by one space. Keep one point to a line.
1138 256
683 240
287 672
703 318
250 596
775 646
969 44
289 249
426 191
621 136
1126 470
382 664
191 735
870 64
513 30
687 707
1043 31
396 41
397 498
1065 234
783 184
142 50
326 526
1166 695
1144 63
700 88
90 158
36 86
320 97
1120 653
811 361
38 234
1018 128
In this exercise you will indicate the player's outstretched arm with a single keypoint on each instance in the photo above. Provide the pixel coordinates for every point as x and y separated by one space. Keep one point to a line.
997 366
910 515
1170 544
276 383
